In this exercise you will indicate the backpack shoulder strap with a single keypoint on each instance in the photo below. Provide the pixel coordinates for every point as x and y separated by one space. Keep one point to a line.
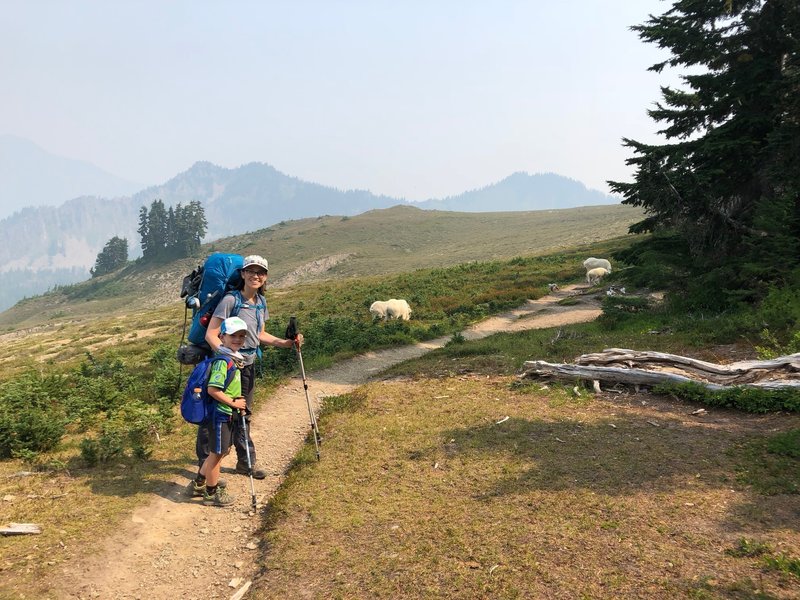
238 302
262 302
231 371
209 364
261 308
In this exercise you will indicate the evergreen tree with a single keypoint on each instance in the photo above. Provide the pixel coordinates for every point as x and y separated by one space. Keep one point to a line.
727 186
157 228
113 256
197 225
171 242
190 227
144 233
175 232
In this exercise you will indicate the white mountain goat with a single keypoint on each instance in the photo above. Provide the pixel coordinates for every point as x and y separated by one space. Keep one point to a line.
594 263
378 309
390 309
595 275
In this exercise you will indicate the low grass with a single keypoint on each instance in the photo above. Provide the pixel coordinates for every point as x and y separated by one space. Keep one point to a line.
474 487
772 464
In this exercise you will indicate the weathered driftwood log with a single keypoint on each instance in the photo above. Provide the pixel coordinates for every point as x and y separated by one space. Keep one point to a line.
21 529
784 367
540 368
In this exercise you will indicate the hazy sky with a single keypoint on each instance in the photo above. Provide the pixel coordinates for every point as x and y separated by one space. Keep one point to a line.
413 99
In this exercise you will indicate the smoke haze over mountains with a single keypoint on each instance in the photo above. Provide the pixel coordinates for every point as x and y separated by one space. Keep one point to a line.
52 242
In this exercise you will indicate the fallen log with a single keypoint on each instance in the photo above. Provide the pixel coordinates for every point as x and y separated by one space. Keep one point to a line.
633 376
742 372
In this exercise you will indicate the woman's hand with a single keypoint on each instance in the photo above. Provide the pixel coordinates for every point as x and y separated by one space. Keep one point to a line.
298 341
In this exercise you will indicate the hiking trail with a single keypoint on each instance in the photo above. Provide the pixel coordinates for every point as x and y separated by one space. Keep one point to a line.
173 546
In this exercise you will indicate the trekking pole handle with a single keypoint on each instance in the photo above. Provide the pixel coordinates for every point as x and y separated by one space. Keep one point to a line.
291 329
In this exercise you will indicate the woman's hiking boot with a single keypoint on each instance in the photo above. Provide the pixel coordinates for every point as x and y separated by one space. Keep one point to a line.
220 498
258 473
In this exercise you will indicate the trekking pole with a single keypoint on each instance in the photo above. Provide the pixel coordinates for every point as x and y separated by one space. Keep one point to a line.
242 414
291 333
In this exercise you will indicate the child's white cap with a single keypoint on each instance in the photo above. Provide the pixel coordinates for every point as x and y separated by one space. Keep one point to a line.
232 325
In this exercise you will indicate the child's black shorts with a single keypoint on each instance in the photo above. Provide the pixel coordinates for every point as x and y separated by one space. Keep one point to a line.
223 429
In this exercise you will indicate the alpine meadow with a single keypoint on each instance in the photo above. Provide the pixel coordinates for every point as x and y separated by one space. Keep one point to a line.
539 427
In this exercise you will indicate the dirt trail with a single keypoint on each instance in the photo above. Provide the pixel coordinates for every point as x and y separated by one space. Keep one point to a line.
171 547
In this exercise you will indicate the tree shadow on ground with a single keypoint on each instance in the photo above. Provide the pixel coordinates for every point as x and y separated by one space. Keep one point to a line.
128 477
619 456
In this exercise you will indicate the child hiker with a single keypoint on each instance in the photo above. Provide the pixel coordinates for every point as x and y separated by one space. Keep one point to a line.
223 426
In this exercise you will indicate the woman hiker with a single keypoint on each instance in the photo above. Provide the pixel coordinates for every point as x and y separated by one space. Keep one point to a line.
253 311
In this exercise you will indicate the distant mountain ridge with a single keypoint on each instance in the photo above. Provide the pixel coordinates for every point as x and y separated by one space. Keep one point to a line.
56 244
520 192
31 176
257 195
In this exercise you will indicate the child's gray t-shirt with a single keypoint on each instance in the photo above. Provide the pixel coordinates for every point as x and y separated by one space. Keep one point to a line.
247 312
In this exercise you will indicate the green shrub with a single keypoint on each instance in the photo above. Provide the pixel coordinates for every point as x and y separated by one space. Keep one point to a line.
123 409
748 399
110 444
30 429
87 400
457 339
617 309
141 424
31 417
134 427
708 327
32 389
773 347
780 310
167 383
748 548
783 563
90 451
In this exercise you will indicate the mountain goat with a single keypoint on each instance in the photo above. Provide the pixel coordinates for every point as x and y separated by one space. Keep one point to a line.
378 309
595 275
595 263
390 309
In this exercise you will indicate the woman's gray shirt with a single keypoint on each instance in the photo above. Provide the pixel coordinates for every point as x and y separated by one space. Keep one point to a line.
247 312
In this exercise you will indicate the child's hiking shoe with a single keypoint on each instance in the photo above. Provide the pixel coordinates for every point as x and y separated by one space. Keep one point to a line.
258 473
193 490
220 498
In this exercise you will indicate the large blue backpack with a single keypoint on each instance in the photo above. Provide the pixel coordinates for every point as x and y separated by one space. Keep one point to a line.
203 289
220 274
196 404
